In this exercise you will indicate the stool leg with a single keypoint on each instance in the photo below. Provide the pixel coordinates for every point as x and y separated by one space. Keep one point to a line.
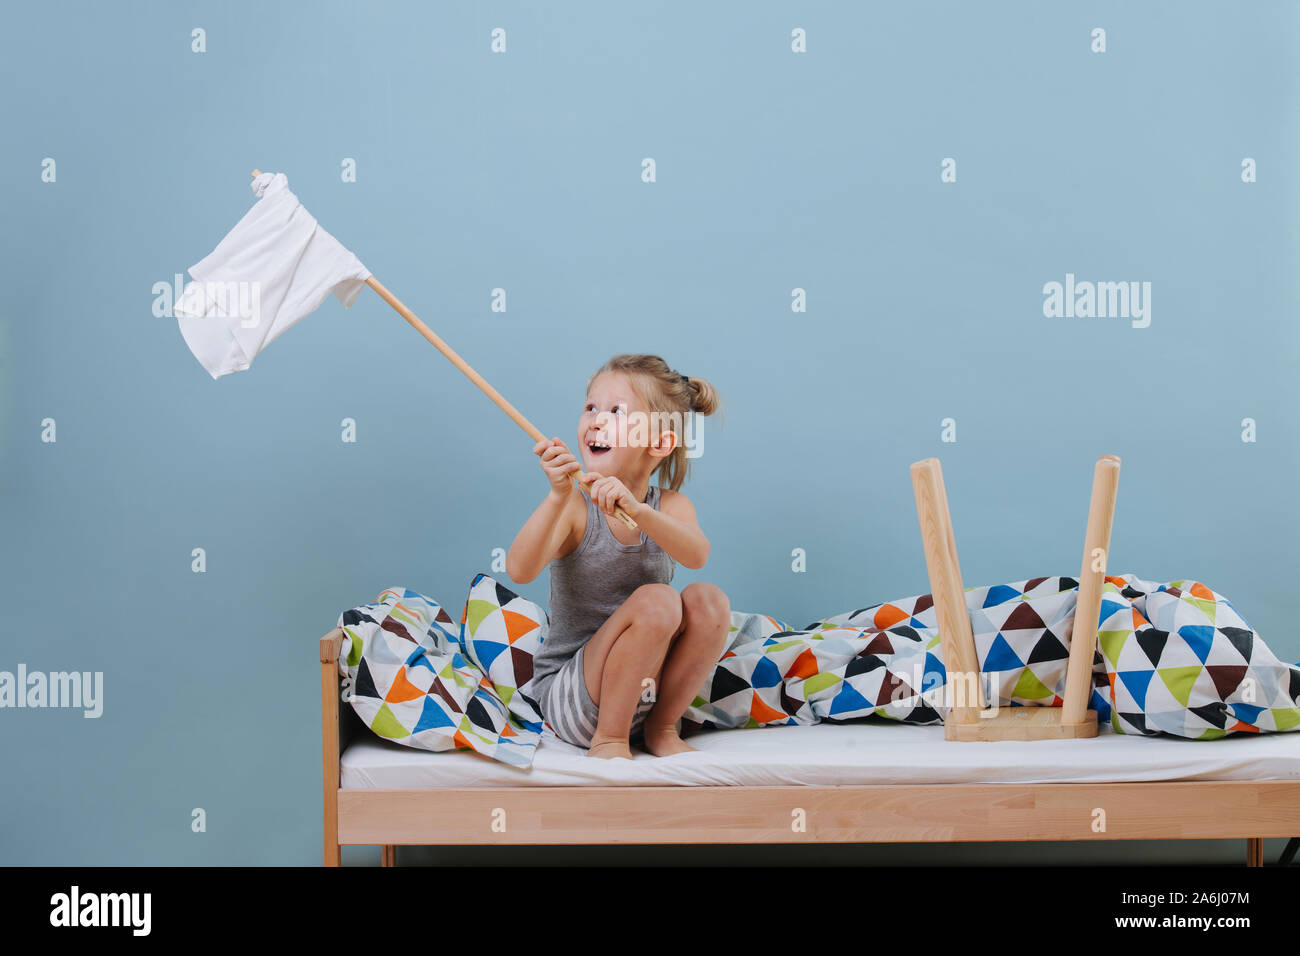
959 656
388 855
1092 576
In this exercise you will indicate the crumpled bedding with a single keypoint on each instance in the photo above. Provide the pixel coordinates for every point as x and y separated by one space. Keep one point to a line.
1172 658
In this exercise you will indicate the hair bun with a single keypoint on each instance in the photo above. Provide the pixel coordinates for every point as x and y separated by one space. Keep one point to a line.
704 399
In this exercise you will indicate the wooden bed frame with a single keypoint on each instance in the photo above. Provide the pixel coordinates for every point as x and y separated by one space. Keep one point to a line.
941 813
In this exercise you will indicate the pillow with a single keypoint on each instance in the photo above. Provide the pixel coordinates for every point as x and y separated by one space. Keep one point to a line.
502 633
1182 661
409 682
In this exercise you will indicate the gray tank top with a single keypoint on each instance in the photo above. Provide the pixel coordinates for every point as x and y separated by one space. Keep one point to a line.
592 582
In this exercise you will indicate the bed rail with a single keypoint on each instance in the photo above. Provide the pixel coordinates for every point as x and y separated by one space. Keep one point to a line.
333 733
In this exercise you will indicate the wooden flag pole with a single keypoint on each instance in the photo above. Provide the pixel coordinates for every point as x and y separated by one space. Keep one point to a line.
472 375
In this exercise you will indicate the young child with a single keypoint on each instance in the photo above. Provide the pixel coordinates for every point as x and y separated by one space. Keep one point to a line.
625 651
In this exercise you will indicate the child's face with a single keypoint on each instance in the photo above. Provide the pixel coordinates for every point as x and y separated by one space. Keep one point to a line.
603 438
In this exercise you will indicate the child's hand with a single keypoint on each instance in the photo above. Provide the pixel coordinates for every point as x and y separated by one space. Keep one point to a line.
558 463
609 493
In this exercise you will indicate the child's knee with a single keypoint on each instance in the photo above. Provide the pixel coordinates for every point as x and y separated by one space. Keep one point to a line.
657 609
706 602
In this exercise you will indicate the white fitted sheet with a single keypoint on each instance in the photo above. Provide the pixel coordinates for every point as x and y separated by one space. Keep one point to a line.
853 754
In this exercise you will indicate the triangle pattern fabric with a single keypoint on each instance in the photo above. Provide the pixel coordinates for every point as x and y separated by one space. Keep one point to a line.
1173 658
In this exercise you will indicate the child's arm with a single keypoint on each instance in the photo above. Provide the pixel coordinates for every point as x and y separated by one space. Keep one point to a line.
673 527
545 532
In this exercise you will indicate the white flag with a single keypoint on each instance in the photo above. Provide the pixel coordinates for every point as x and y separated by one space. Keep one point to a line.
275 267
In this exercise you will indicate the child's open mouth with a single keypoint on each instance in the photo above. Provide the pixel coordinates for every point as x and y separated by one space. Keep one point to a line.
597 449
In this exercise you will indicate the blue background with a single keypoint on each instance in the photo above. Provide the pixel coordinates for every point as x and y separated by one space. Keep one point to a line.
475 171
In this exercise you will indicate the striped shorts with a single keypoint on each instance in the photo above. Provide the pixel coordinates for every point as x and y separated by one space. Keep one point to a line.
569 710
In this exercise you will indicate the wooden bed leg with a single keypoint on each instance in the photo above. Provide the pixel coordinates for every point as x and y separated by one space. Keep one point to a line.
330 646
1254 851
388 855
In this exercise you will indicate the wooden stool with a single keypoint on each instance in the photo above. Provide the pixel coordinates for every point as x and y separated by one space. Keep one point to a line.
968 719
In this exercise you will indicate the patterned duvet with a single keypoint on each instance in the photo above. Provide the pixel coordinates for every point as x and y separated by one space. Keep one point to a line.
1173 658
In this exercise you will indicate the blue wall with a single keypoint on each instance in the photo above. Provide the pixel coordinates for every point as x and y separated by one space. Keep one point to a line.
522 170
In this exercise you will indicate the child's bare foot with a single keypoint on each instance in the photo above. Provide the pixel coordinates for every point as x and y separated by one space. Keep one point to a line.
663 741
609 749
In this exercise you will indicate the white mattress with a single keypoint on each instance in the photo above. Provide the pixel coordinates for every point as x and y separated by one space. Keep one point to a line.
836 755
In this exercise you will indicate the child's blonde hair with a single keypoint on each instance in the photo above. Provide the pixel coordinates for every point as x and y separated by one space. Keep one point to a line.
665 390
